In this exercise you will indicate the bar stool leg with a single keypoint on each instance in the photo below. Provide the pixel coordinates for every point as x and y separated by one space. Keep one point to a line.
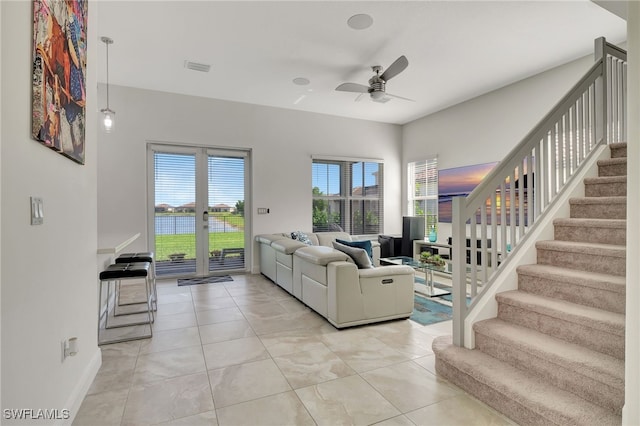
116 273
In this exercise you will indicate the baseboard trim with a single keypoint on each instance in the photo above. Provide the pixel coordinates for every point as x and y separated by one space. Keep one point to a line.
82 387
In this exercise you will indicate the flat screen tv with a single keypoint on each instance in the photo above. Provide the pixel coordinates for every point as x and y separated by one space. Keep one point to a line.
412 229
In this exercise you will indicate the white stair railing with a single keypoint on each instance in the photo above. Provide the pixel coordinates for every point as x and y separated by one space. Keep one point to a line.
495 218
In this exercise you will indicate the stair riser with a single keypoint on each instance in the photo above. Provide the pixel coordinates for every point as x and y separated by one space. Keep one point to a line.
618 152
581 295
562 376
522 415
579 334
590 234
598 211
583 261
612 170
605 189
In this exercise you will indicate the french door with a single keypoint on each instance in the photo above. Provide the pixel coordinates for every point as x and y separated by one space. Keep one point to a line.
196 207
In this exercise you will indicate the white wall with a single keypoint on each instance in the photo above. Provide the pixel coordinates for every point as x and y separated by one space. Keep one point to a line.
49 282
631 410
282 142
0 212
486 128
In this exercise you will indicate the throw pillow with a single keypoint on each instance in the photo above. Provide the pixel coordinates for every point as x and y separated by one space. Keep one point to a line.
359 256
302 237
366 245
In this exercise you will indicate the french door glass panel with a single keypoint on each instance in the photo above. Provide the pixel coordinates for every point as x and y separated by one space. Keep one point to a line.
175 213
198 211
225 183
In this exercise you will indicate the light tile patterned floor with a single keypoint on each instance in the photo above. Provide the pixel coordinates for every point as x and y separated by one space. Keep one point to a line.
247 353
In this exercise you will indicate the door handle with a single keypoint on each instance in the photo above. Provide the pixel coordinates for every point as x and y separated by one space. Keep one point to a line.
205 216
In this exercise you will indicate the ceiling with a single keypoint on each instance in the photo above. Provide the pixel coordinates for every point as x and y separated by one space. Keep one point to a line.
456 49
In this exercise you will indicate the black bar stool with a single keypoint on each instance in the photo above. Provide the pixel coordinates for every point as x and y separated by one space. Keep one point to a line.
141 257
114 274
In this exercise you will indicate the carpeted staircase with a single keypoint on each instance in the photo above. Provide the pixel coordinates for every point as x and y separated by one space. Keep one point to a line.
555 353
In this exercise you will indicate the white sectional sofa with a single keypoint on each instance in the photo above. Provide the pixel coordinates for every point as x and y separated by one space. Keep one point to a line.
329 281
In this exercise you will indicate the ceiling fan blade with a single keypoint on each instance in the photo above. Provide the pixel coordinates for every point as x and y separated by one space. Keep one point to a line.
353 87
399 97
395 68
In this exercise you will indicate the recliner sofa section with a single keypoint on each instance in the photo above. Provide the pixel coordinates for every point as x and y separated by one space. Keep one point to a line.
328 281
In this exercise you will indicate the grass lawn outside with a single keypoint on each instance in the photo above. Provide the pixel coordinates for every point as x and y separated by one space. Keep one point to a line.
186 243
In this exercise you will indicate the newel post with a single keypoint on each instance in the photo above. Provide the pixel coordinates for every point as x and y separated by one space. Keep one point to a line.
459 284
600 54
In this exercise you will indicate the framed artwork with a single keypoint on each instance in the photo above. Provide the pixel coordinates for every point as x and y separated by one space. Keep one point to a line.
59 76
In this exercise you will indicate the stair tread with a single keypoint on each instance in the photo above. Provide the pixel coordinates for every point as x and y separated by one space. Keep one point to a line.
565 355
546 400
605 179
609 282
595 318
614 250
617 199
612 161
589 222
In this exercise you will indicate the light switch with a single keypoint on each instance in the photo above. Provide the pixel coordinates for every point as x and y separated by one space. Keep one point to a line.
37 211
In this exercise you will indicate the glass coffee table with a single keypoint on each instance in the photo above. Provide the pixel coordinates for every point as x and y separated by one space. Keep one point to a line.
426 268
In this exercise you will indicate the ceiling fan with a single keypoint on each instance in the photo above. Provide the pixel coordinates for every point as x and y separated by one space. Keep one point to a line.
377 83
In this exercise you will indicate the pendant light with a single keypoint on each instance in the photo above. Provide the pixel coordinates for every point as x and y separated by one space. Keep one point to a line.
109 114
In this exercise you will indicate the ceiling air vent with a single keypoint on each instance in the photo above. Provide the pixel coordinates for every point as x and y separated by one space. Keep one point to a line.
197 66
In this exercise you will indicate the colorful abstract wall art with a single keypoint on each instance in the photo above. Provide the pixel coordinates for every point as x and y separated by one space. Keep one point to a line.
59 75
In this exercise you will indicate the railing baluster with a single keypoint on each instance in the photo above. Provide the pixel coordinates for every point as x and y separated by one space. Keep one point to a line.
503 218
472 256
553 157
520 196
531 189
483 244
623 89
574 138
512 205
493 237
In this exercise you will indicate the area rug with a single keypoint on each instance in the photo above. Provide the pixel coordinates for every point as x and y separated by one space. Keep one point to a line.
205 280
430 310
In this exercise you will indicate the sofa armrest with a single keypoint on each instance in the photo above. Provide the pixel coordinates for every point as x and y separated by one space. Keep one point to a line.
362 294
269 238
386 271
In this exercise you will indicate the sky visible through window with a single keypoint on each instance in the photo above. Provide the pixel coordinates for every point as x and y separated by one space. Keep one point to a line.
326 176
175 178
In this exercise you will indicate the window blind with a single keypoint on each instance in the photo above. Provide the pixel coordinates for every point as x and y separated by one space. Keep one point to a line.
422 178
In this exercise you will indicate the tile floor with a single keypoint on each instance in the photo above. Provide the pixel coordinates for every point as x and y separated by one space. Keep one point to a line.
247 353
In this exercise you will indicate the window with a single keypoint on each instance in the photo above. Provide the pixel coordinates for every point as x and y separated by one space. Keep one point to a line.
347 195
423 191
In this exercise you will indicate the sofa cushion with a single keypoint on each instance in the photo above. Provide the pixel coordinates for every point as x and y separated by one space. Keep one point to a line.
358 255
320 255
365 244
327 238
287 246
